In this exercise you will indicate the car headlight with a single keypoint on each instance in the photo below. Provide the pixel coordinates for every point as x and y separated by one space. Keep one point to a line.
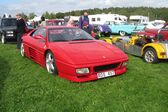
82 71
125 64
9 32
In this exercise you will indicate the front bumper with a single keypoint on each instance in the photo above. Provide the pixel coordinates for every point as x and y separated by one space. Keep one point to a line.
72 76
11 35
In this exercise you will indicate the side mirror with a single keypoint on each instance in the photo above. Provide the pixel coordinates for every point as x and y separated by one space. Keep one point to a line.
39 37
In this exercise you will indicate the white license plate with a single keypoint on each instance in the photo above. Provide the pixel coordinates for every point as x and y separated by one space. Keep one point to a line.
105 74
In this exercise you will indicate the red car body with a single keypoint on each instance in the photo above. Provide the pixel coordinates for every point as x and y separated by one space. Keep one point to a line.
98 56
154 32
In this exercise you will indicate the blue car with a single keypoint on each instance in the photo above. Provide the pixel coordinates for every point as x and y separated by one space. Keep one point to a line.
123 28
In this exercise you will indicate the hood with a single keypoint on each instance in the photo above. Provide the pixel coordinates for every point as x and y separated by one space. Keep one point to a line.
82 52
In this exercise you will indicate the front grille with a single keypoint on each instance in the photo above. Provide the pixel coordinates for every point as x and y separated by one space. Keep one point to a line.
106 67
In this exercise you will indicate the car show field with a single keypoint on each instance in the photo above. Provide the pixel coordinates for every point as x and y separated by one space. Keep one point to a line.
27 87
84 56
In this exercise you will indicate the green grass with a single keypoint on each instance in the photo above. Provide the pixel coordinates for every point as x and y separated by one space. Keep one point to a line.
26 87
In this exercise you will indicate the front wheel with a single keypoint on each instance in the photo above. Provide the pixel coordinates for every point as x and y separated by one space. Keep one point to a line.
22 51
50 63
150 56
3 41
122 33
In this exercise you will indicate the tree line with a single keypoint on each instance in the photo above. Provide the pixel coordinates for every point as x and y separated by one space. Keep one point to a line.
153 13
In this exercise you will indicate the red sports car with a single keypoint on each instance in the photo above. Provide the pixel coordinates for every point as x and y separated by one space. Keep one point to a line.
154 33
73 54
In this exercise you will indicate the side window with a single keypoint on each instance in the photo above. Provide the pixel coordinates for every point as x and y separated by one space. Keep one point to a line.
98 19
93 19
166 27
40 31
115 18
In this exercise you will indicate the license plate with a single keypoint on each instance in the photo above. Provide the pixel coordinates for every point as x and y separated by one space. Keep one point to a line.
105 74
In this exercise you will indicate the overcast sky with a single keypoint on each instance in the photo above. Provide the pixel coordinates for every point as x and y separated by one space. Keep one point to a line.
40 6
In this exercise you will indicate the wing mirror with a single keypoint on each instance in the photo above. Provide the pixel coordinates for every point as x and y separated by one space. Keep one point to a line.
39 37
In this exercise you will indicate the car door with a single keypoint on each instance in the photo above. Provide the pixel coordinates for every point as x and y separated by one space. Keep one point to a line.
164 32
37 46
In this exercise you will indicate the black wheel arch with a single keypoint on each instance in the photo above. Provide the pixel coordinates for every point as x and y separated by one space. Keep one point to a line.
152 48
149 47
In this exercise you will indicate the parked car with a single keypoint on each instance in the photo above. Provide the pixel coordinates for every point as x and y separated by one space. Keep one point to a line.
104 30
7 29
54 22
123 28
161 33
73 54
151 49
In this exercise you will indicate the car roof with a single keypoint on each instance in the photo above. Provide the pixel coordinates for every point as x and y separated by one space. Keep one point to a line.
51 27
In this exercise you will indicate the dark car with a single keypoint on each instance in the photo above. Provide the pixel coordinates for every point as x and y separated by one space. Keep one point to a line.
7 29
104 30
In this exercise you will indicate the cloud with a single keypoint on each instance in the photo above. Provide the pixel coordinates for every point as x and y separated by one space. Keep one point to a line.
39 6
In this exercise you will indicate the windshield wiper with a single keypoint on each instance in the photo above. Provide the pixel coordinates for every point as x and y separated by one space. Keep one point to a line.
80 39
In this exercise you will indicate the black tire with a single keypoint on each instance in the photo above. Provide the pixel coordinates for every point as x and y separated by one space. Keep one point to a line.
122 33
107 34
3 40
150 56
49 63
22 50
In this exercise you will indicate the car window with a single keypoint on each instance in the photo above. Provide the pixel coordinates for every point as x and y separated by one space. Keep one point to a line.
67 34
40 31
8 22
166 27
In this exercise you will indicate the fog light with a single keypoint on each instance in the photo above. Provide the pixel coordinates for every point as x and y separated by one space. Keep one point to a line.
124 64
9 35
82 71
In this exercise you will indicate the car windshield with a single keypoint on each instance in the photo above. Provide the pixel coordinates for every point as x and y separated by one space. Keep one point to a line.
8 22
67 34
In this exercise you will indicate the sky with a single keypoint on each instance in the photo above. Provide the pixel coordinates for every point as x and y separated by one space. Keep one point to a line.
40 6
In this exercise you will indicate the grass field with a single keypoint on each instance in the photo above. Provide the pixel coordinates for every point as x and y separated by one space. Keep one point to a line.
26 87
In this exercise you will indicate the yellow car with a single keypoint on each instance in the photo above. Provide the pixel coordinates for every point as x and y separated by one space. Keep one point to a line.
151 50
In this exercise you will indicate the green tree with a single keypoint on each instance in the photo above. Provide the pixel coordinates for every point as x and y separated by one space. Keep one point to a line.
24 16
46 15
31 15
60 15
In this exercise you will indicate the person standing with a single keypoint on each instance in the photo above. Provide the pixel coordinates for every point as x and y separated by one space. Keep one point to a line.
21 29
83 19
43 22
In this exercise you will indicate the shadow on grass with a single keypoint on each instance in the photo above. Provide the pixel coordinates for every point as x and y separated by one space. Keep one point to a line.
4 72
